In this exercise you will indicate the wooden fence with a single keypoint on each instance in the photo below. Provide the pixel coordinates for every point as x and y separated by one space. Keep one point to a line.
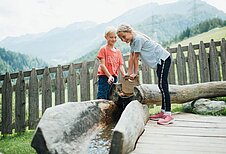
26 95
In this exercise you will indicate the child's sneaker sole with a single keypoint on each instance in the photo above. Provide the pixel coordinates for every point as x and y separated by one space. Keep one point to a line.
166 123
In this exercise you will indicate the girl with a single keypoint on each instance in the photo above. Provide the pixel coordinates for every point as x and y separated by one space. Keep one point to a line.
111 61
154 56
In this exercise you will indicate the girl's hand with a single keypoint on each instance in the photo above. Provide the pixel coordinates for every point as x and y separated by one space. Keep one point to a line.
133 76
110 80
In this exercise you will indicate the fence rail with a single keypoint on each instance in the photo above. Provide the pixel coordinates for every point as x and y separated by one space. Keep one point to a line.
32 92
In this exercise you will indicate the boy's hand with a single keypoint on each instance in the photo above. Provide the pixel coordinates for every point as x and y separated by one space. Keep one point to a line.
110 80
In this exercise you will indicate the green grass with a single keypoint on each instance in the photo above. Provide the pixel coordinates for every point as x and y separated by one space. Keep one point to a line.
175 108
217 34
17 144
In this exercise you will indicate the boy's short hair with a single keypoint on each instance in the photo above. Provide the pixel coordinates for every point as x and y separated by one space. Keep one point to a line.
110 29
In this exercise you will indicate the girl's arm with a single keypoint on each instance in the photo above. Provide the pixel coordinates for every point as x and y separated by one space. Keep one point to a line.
130 64
135 62
106 72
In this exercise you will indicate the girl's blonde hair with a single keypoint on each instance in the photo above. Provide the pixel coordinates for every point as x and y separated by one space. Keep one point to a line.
124 28
127 28
110 29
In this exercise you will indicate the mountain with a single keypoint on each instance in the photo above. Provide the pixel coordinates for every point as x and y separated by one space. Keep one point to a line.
14 62
62 45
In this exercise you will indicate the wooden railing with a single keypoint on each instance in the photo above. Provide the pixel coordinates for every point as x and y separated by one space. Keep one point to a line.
26 95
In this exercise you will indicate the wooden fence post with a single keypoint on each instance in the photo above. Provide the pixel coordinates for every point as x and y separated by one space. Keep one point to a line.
223 58
192 65
7 92
172 70
72 84
214 63
33 100
46 90
84 82
203 64
181 67
20 104
59 91
95 78
146 74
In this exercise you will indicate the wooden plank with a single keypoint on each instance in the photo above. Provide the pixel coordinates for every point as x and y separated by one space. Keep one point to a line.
72 85
214 63
188 140
203 64
189 134
192 65
46 90
20 123
223 58
181 67
60 90
84 82
33 101
7 105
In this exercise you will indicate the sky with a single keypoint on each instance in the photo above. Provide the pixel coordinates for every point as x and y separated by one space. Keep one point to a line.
20 17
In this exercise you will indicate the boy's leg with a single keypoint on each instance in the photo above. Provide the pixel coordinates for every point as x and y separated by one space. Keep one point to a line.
103 87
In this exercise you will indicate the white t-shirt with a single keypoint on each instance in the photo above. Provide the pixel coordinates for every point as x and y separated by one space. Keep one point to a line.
150 51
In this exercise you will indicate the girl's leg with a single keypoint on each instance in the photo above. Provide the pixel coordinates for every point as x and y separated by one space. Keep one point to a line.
162 73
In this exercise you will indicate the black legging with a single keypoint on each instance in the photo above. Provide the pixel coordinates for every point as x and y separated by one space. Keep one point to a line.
162 73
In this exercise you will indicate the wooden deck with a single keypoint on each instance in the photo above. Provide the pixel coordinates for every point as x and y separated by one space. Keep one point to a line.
190 133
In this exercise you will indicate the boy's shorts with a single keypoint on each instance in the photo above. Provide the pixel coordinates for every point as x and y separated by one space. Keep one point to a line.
104 87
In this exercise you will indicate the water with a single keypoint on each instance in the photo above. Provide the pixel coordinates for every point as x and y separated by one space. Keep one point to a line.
101 142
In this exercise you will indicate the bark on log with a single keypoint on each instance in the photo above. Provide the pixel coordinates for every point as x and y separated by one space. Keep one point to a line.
150 94
67 128
129 127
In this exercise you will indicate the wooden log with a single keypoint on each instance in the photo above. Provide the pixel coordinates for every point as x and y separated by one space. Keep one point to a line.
150 94
129 127
69 127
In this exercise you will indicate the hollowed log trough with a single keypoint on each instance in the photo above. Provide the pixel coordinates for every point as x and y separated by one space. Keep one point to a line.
69 128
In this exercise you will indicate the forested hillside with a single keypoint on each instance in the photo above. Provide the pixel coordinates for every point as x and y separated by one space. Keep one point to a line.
13 62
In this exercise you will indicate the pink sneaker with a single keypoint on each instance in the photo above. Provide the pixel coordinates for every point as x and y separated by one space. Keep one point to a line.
167 119
157 116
